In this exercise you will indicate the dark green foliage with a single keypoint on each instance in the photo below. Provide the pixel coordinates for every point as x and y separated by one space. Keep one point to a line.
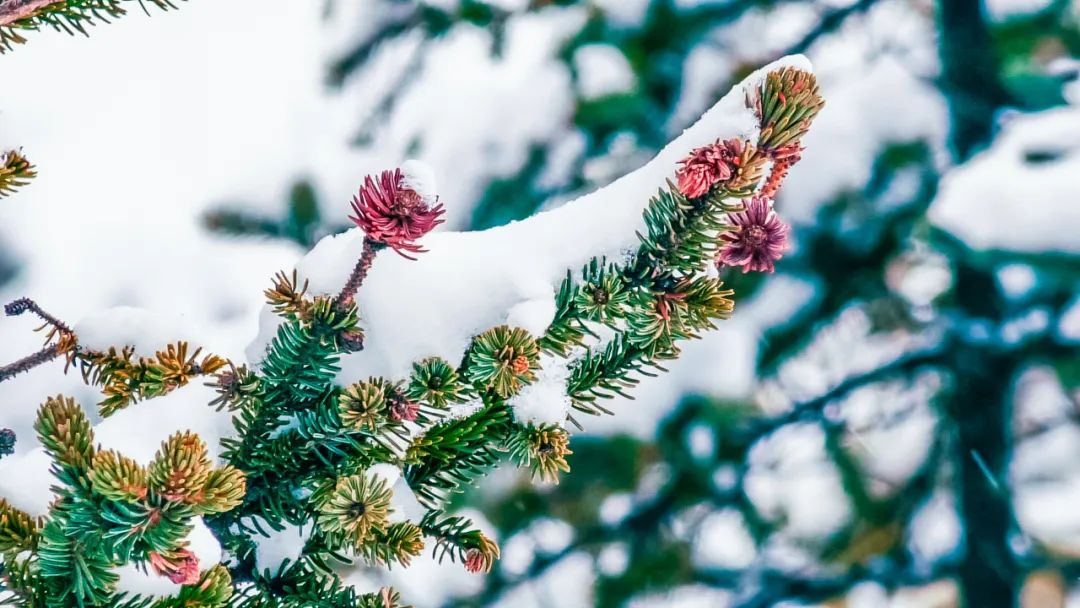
72 572
609 371
302 222
7 442
455 453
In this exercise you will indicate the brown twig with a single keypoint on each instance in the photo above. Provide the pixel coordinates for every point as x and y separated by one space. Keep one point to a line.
28 363
359 272
18 307
50 351
14 10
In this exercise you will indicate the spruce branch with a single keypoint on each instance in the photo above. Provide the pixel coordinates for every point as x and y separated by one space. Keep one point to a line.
18 531
126 379
457 538
308 451
69 16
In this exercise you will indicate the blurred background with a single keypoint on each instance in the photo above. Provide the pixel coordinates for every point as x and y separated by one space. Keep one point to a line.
890 420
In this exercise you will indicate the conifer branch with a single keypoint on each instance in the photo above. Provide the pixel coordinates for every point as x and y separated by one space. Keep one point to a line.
15 169
343 461
69 16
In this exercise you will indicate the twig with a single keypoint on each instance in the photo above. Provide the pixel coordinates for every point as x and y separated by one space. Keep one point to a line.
14 10
28 363
50 351
359 273
18 307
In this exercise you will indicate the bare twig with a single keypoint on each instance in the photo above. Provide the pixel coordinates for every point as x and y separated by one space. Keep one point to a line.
18 307
28 363
50 351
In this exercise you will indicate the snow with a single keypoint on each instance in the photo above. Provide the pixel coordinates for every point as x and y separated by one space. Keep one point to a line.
920 277
403 503
1016 280
1069 323
1042 471
204 544
690 596
883 415
440 581
874 72
139 580
615 507
420 178
827 360
472 124
1026 325
791 481
424 582
214 286
551 535
25 481
1040 401
122 326
1002 10
567 584
724 542
999 199
613 559
138 430
273 550
624 12
602 70
935 531
701 440
516 554
414 309
159 136
878 104
544 401
543 536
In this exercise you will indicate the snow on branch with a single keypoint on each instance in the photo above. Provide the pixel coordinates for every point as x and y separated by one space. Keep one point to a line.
395 367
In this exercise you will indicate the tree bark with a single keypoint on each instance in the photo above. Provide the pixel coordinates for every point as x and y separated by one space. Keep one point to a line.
969 75
989 575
